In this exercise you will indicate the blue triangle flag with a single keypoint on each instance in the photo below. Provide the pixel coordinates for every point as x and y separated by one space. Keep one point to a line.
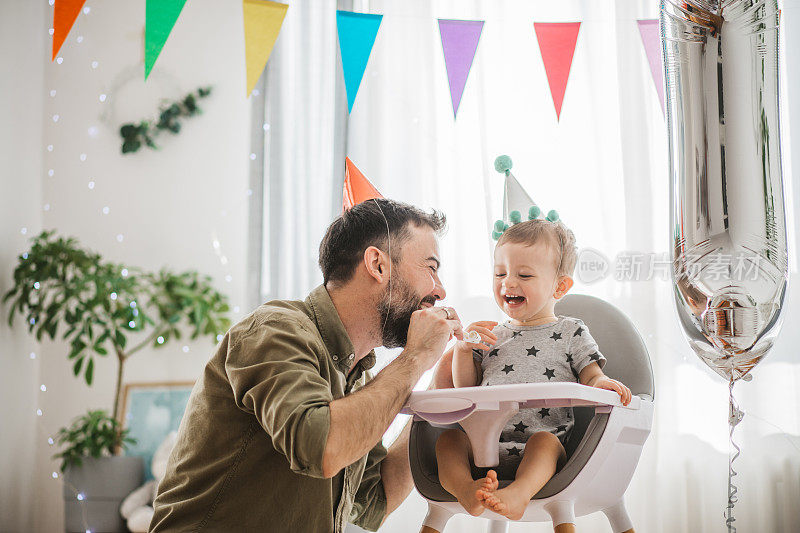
357 32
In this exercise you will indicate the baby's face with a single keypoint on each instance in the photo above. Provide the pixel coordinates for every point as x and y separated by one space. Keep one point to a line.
525 280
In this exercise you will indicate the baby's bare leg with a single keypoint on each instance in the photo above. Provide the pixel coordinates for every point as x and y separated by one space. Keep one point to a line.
452 455
542 453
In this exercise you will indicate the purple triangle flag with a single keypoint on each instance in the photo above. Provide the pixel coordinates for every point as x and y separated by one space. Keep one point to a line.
459 43
651 39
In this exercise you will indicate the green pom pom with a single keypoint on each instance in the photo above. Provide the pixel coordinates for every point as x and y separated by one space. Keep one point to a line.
505 227
552 216
502 164
496 234
534 212
499 225
515 217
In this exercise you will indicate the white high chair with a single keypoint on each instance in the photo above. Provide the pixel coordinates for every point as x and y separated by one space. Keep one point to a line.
602 450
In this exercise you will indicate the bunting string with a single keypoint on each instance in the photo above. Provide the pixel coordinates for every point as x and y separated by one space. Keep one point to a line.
357 34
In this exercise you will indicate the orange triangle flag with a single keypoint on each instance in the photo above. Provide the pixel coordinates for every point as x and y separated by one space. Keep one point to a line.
64 14
357 188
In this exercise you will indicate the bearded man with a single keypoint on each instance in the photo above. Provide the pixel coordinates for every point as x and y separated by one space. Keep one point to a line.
283 430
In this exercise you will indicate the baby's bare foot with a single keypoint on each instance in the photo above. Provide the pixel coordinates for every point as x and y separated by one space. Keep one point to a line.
467 496
510 502
488 486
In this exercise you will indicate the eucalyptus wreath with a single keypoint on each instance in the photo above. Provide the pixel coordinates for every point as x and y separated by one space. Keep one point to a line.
170 113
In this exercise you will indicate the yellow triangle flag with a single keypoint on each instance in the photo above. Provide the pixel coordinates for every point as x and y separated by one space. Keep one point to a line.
262 23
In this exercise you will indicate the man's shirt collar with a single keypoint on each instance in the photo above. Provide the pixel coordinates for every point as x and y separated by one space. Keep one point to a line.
333 332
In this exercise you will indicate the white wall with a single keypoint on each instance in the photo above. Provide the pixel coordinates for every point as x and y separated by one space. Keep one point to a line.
23 30
168 205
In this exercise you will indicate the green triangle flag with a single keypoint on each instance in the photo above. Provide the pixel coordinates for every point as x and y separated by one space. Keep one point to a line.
160 17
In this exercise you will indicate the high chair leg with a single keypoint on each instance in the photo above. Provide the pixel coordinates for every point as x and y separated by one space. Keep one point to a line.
618 518
483 430
435 520
497 526
562 512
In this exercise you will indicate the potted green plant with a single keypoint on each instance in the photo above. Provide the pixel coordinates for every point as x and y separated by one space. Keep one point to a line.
94 481
100 308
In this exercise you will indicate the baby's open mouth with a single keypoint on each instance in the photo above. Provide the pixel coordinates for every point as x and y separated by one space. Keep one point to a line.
513 299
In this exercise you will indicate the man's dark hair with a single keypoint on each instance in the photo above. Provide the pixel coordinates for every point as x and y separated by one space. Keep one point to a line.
362 226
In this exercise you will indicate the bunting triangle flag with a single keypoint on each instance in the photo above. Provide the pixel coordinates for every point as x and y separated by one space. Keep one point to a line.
459 43
160 17
557 45
262 23
357 32
651 39
357 188
64 14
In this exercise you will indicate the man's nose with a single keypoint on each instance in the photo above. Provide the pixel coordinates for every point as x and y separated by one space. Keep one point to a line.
438 289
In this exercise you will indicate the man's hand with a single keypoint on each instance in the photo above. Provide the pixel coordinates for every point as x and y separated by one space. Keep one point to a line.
605 382
428 333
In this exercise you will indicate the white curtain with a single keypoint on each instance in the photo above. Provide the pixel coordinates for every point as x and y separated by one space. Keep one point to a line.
305 125
603 167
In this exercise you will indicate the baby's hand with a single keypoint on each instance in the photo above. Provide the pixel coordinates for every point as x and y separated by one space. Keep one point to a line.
607 383
484 330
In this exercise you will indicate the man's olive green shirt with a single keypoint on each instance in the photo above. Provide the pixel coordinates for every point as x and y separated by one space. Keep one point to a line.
250 445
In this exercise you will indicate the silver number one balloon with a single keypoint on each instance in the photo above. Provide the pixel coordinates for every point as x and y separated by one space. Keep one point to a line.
727 219
726 196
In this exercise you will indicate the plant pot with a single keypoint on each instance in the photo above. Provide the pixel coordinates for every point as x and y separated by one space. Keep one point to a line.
102 483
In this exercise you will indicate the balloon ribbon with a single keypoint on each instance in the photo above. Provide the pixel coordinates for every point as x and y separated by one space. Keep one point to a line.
735 416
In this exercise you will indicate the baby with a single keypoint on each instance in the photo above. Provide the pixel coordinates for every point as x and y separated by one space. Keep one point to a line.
533 264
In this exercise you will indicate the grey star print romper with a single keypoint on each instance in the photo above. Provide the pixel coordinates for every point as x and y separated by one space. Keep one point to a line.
531 354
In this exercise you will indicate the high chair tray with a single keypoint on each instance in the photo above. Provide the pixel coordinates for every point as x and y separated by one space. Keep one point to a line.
447 406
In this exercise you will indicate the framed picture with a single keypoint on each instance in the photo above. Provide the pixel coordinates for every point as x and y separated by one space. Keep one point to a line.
151 411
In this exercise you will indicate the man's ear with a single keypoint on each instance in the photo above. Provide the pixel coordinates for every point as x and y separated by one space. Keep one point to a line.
376 263
563 286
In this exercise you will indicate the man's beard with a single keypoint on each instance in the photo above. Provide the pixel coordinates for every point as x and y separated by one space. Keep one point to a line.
395 315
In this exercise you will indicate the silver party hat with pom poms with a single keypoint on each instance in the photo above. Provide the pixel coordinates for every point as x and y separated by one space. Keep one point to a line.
516 200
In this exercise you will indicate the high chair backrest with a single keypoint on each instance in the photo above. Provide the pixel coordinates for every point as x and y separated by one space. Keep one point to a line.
618 339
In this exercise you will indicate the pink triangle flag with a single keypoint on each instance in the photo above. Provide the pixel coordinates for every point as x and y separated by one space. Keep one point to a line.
557 44
651 39
459 43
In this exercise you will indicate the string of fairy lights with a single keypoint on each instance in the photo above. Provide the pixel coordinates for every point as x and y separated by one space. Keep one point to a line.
92 184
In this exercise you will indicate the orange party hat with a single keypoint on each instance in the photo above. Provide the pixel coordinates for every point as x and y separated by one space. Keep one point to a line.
357 188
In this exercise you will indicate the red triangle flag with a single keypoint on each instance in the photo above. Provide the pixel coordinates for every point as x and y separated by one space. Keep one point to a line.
357 188
64 14
557 44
